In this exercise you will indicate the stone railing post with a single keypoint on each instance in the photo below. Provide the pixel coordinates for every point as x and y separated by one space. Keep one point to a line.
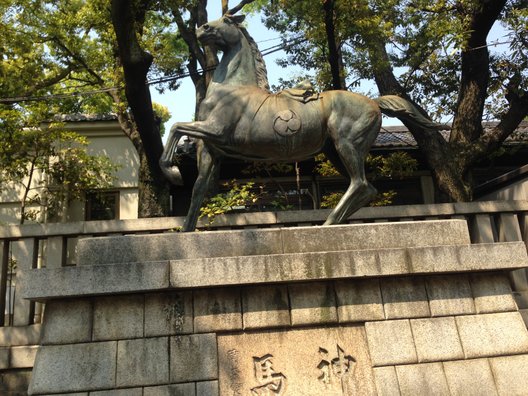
509 230
482 229
55 256
25 255
4 263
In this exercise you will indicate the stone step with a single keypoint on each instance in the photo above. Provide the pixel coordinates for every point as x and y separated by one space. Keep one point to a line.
174 246
139 277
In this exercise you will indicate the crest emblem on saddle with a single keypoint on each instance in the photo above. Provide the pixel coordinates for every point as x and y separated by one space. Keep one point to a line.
287 123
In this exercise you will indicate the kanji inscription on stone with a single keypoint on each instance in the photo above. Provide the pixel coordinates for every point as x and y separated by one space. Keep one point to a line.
308 362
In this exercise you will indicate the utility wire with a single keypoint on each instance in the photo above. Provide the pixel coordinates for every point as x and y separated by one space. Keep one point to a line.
265 52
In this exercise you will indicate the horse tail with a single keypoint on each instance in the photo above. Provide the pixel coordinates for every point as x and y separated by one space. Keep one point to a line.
394 106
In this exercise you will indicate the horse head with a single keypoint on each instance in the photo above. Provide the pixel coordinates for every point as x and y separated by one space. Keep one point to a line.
223 33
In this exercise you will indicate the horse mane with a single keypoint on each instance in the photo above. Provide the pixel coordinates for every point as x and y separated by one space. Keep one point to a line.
260 65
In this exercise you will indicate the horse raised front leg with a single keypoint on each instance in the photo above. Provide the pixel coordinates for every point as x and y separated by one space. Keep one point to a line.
207 167
169 169
208 130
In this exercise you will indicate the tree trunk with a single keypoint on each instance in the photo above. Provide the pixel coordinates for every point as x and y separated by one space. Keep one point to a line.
153 193
153 188
467 125
334 54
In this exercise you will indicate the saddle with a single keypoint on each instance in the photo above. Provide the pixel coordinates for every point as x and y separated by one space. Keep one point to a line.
303 92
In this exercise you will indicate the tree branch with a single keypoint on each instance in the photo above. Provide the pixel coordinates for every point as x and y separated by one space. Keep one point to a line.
493 139
62 74
79 59
188 34
239 6
467 124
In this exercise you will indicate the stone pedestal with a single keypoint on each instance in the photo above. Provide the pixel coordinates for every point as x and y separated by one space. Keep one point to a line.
386 308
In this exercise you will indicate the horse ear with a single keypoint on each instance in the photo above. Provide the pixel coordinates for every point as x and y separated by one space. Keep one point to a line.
235 18
239 18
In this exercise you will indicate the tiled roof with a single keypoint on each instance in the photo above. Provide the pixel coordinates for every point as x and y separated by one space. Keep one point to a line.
399 136
86 117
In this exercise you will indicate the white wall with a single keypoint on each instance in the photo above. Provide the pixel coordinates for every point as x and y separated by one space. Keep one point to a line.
106 138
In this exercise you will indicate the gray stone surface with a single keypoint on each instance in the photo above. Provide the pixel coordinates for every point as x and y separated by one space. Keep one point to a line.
22 356
436 339
67 322
482 230
142 362
375 236
72 368
510 374
273 268
492 293
470 377
118 317
168 313
477 257
521 299
494 256
24 252
386 381
457 210
306 362
434 259
171 390
4 358
14 383
449 295
217 310
492 334
404 298
193 358
207 388
422 379
400 349
87 280
25 335
312 303
524 315
42 284
265 306
389 262
119 392
359 300
173 246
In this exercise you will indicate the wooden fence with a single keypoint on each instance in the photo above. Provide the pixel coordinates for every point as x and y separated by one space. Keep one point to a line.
53 245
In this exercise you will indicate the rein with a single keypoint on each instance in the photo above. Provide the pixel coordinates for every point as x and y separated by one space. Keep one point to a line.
260 106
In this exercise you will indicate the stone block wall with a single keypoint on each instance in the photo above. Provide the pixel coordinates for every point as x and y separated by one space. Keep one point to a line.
432 334
385 308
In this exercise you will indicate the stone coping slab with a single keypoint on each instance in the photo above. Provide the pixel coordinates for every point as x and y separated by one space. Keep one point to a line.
161 224
43 284
176 246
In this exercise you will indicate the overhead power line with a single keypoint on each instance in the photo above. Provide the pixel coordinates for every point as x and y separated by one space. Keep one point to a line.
161 80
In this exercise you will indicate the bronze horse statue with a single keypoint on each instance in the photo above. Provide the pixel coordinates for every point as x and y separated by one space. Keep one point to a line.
240 118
